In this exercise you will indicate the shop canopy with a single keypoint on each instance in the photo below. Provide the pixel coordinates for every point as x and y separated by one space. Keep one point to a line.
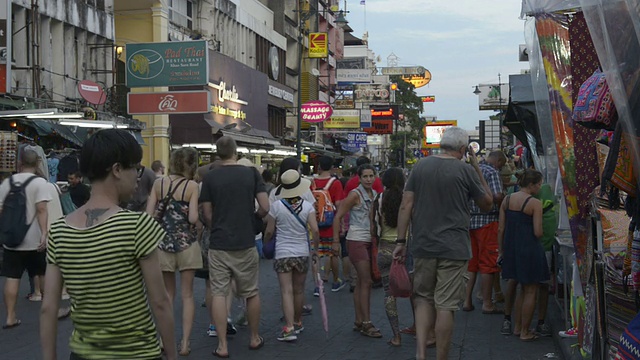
521 116
74 134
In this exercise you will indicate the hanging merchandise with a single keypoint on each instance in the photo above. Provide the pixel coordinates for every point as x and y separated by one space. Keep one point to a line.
594 107
8 151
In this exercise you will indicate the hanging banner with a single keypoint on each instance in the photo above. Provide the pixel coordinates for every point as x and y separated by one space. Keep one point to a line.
172 63
5 46
318 45
493 96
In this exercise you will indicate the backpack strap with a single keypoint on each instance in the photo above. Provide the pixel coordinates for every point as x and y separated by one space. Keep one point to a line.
288 206
329 183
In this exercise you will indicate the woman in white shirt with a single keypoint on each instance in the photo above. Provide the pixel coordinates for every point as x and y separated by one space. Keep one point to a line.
289 218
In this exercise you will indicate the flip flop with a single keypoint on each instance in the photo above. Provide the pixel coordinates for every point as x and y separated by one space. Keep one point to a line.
467 309
494 311
218 355
408 330
11 326
530 339
391 343
259 346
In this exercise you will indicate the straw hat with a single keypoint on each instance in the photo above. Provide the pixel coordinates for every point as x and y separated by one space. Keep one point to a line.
293 185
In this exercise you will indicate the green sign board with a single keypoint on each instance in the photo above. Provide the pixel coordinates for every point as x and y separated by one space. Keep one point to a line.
173 63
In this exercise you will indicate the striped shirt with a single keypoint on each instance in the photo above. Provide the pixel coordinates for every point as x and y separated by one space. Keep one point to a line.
100 268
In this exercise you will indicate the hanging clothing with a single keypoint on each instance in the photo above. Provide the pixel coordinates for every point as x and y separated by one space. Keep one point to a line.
52 164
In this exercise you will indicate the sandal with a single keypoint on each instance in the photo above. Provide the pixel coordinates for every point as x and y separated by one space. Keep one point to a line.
392 342
532 337
357 326
369 330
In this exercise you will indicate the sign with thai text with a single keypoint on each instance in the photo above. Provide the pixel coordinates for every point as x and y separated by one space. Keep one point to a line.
172 63
172 102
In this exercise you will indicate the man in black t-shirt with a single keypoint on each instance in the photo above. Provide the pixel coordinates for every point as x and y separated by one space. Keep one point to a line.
228 197
78 191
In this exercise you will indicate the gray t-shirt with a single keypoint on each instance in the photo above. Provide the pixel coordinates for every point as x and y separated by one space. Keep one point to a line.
140 197
442 189
232 190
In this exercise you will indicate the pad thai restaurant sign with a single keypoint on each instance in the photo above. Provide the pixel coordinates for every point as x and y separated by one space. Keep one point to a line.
171 63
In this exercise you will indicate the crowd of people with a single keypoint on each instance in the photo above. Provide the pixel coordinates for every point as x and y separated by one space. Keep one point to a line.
117 253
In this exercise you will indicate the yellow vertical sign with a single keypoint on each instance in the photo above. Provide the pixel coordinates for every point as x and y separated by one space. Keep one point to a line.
318 45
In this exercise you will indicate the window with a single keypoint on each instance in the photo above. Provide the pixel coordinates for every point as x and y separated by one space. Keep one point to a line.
181 13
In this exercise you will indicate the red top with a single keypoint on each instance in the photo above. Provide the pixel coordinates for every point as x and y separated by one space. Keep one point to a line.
355 181
336 195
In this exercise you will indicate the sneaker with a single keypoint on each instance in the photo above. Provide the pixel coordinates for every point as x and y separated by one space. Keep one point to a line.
306 310
212 331
242 320
571 333
543 330
337 286
298 328
231 330
316 292
287 334
506 327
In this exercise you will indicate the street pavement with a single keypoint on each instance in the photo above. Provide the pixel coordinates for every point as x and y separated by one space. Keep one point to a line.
476 336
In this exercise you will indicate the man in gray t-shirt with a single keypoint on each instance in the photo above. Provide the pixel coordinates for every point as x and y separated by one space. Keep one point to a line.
436 200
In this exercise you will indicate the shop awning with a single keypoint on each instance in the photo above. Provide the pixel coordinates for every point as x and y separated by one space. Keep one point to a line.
521 115
75 135
254 137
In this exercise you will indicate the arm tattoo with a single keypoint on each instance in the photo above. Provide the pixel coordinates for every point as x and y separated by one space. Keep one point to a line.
93 215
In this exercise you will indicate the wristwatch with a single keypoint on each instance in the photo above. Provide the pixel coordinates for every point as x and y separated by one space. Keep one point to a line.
401 241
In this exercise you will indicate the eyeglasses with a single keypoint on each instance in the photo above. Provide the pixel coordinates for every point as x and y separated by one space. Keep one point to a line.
140 171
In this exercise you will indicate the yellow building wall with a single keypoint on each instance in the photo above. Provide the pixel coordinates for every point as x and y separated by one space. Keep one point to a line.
138 26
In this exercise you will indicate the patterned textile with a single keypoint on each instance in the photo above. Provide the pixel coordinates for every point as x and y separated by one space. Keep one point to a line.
594 107
180 232
553 36
299 264
624 177
635 259
478 218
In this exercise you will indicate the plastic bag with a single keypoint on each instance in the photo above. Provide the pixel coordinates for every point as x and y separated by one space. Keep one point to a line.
269 249
399 283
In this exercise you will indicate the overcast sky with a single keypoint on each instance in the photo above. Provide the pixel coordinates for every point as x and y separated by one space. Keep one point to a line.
461 42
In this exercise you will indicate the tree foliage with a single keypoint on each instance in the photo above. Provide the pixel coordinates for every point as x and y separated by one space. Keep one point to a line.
410 106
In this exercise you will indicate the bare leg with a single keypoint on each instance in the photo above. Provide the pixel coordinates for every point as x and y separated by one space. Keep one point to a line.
11 298
219 315
497 289
170 284
486 281
38 285
425 314
468 302
335 268
444 331
188 306
298 295
208 300
516 313
543 301
286 293
528 306
363 289
253 316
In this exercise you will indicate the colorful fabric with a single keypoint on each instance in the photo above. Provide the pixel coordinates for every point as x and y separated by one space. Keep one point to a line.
594 107
624 177
635 259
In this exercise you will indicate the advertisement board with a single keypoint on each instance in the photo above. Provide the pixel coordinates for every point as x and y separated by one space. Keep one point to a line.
318 45
493 96
357 140
353 75
371 93
171 102
433 132
343 119
171 63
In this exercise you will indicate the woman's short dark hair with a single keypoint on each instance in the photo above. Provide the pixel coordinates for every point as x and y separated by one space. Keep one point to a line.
364 167
528 177
106 148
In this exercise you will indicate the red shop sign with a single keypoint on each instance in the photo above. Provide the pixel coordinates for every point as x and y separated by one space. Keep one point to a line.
172 102
315 111
380 127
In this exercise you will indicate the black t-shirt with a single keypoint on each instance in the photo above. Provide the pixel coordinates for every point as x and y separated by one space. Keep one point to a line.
232 190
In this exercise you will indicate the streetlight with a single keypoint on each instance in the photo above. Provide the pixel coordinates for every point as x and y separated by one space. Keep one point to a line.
477 90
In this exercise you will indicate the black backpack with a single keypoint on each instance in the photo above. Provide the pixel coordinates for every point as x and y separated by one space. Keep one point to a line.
13 220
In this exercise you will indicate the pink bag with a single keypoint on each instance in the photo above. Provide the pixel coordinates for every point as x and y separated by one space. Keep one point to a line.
399 283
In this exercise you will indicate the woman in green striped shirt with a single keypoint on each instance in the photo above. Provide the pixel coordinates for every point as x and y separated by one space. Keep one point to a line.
107 257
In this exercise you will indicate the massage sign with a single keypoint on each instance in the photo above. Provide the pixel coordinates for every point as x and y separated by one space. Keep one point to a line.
315 111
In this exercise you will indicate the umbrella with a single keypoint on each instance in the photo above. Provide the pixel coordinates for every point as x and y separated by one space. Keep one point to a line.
323 304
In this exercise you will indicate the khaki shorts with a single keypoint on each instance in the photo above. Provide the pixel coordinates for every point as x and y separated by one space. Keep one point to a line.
441 282
241 265
188 259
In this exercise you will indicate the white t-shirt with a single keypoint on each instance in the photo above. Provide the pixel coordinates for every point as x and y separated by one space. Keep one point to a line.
291 236
37 191
54 207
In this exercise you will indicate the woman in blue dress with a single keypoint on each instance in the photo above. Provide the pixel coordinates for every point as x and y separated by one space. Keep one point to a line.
521 252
